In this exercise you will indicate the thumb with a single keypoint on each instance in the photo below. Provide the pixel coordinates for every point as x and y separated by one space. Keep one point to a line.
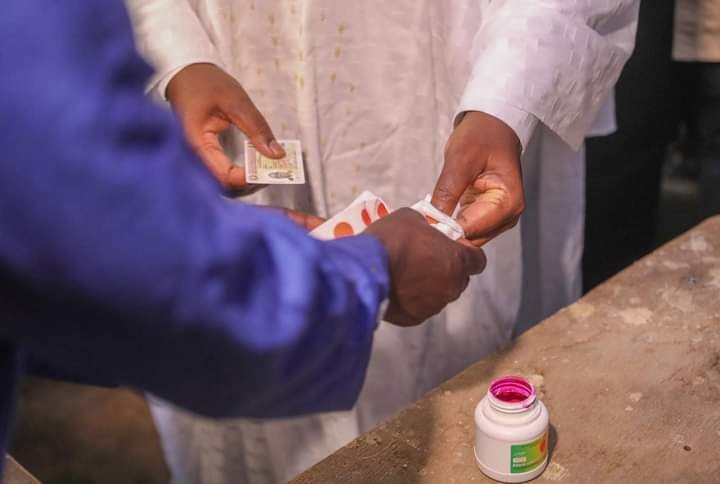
248 119
449 188
474 259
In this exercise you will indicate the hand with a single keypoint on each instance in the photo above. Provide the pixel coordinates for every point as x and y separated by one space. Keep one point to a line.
305 220
482 172
428 271
208 102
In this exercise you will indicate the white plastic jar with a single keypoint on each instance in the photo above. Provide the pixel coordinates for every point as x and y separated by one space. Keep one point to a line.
511 431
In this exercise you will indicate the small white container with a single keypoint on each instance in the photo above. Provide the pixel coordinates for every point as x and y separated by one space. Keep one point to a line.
511 431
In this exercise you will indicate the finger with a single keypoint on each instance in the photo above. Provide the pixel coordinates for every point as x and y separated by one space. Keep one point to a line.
477 242
248 119
407 212
398 316
243 191
203 136
312 222
449 188
474 259
490 211
481 241
230 176
308 221
461 289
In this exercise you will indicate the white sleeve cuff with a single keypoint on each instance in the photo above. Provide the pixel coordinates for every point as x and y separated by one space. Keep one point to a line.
170 36
522 122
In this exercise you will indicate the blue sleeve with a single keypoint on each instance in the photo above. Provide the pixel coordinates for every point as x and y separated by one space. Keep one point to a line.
124 264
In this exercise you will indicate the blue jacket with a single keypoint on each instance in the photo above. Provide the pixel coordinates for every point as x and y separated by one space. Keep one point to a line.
121 263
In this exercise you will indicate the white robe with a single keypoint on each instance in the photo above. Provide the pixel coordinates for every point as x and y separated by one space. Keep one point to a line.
372 89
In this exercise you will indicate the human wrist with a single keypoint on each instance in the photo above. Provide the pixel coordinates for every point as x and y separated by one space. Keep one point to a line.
521 122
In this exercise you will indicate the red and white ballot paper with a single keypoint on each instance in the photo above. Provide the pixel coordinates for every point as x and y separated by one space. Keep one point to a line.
368 208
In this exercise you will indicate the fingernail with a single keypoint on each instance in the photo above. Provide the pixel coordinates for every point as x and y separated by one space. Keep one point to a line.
276 149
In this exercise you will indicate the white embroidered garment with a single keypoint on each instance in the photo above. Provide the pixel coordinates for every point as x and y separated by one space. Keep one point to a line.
372 88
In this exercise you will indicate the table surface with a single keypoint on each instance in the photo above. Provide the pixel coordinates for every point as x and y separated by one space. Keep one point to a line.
630 375
16 474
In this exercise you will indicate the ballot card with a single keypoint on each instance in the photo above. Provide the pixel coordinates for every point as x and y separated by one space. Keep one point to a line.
368 208
261 170
439 220
354 219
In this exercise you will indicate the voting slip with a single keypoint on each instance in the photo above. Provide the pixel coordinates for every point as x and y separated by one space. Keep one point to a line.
261 170
438 220
354 219
368 208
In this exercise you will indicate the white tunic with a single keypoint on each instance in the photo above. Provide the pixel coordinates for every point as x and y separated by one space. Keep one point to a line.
372 88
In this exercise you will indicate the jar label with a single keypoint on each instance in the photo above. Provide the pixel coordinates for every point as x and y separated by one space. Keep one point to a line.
527 457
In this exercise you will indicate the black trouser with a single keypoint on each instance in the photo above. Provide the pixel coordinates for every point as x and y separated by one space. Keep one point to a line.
699 101
624 169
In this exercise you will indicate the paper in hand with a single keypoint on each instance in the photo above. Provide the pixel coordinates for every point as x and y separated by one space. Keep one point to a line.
354 219
261 170
439 220
368 208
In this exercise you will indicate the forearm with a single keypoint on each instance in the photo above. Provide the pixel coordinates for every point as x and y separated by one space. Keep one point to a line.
122 262
170 36
242 343
555 60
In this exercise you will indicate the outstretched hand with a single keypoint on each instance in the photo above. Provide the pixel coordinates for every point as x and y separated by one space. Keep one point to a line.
482 173
208 102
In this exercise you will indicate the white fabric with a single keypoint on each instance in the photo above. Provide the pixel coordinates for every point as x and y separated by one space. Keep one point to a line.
605 122
552 260
372 88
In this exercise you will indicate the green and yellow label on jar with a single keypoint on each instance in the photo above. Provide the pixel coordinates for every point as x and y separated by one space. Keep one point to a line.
527 457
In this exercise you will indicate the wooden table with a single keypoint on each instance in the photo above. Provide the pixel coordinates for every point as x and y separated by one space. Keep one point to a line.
16 474
630 375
